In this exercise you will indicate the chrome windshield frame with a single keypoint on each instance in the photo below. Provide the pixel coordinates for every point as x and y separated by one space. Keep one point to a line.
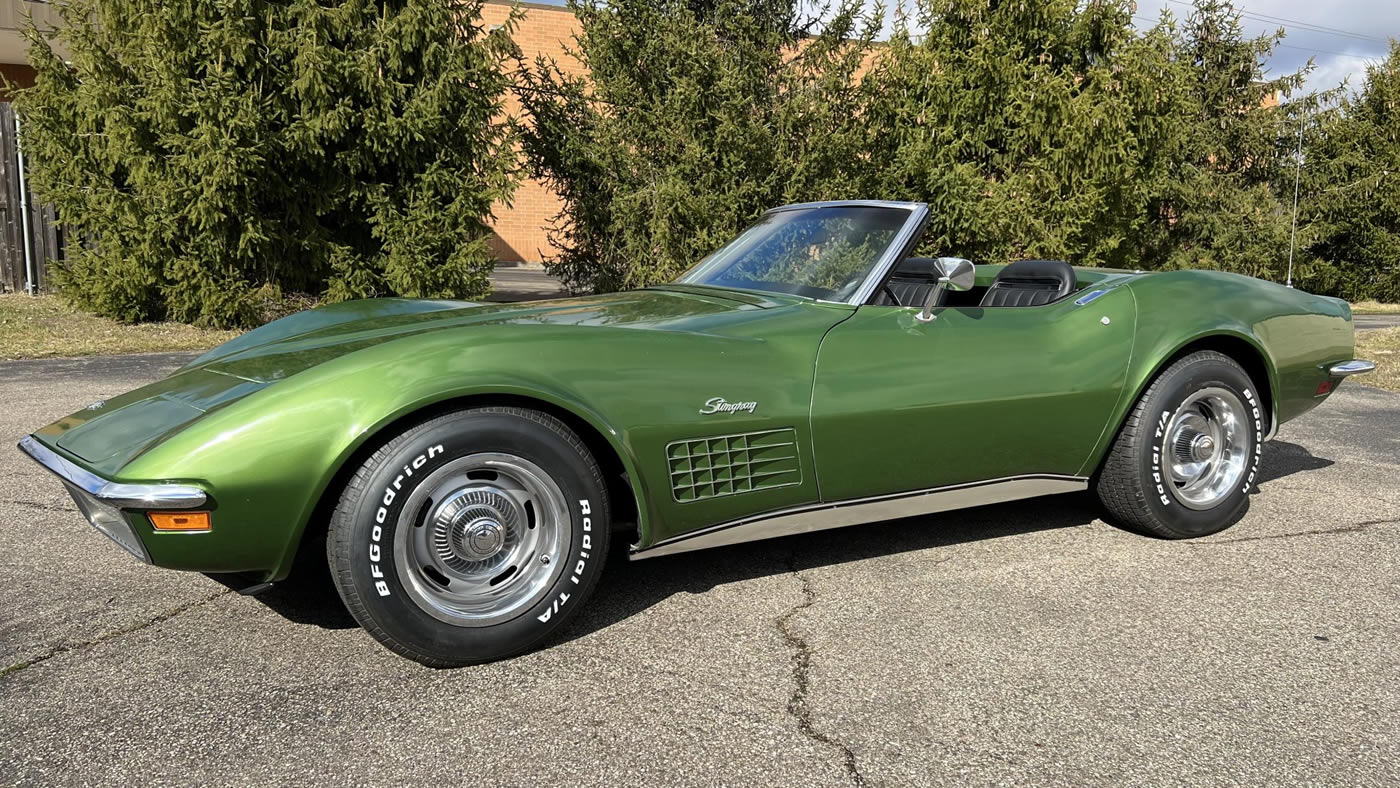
888 259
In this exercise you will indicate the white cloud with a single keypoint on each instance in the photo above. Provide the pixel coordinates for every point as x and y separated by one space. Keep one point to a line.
1335 56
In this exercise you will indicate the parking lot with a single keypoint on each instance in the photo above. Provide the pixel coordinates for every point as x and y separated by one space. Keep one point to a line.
1028 642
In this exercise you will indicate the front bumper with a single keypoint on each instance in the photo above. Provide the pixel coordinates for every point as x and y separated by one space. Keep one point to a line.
102 501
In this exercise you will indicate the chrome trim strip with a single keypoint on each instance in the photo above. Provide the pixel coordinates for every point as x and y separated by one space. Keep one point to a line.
1089 296
1354 367
800 206
819 517
118 494
917 213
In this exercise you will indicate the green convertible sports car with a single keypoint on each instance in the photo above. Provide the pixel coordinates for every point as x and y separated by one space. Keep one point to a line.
466 465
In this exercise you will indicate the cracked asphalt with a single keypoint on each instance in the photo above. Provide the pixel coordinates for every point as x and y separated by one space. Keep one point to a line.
1020 643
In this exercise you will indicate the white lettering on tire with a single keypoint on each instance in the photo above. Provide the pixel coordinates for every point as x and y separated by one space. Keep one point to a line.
1157 441
586 510
376 533
1258 449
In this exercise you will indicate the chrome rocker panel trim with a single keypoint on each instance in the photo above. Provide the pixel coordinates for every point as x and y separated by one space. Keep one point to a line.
1354 367
819 517
118 494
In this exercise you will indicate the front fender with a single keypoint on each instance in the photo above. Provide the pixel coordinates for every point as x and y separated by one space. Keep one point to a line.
268 459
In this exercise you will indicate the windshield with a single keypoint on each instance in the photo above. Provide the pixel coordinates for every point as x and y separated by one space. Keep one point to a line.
823 252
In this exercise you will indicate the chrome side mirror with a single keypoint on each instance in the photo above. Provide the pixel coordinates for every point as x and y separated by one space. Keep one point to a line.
954 273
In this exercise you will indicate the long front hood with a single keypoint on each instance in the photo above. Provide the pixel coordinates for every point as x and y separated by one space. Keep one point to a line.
107 435
288 346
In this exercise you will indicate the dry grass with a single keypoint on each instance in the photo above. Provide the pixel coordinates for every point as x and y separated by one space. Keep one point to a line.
44 326
1383 347
1374 308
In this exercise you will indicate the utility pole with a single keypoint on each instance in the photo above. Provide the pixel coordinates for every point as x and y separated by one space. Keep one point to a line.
1297 176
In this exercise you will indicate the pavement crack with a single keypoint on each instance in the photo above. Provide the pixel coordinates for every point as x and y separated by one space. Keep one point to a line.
797 705
44 507
1341 529
112 635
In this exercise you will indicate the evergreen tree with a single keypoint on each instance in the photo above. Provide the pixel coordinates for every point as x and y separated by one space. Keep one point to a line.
213 153
696 115
1352 199
1223 204
1032 129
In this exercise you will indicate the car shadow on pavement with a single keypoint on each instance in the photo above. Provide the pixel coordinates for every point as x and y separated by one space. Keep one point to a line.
308 596
1282 458
628 588
631 587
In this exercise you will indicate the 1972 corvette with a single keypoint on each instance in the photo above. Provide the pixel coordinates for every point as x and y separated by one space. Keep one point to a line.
465 466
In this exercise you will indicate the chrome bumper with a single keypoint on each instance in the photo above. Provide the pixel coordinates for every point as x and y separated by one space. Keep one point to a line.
122 496
1353 367
101 501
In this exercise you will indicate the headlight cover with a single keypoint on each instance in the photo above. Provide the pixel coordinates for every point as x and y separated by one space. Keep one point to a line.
110 521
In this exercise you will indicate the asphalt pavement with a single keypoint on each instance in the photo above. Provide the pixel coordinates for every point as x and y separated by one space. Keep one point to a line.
1370 322
1019 643
523 282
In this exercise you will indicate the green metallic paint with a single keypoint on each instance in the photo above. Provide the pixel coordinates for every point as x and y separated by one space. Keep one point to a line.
1296 333
979 393
877 401
650 360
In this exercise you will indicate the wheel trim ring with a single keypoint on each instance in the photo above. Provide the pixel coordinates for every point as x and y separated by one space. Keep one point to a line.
483 604
1208 482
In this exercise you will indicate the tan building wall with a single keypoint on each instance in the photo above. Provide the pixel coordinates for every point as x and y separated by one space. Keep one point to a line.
14 18
522 227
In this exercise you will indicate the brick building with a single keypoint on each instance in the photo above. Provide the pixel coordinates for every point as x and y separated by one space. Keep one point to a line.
522 227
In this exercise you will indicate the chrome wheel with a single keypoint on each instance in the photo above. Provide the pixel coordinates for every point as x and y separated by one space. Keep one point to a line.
1207 447
482 539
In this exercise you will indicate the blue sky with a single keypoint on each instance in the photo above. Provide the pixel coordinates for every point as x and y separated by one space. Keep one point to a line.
1357 32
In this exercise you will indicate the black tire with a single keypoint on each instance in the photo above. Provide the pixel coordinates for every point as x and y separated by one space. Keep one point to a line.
1135 483
393 490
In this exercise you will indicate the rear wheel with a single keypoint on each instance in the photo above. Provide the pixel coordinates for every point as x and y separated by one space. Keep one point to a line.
1188 454
471 537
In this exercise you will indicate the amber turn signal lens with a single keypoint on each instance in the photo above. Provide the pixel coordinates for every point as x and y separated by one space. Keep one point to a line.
180 521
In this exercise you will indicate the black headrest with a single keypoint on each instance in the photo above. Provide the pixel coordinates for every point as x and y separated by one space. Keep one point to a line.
1051 271
1030 283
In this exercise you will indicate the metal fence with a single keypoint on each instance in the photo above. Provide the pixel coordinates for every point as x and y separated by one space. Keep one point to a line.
29 238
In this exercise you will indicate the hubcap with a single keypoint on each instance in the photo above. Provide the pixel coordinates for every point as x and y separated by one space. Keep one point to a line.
1208 446
480 540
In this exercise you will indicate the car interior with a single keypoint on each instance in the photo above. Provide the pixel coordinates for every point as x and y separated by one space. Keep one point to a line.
1022 283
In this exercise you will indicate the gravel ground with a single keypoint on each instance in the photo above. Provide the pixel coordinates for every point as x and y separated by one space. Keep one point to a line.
1026 642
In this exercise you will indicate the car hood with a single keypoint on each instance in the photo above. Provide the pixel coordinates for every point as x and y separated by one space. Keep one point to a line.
108 434
285 347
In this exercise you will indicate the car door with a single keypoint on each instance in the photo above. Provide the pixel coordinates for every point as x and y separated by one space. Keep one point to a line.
975 395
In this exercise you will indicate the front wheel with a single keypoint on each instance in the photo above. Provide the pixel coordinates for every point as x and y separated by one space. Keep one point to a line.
1188 454
472 536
